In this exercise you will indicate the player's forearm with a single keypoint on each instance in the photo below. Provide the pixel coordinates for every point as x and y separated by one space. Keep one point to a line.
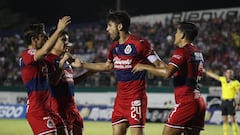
159 64
97 66
212 75
47 46
161 72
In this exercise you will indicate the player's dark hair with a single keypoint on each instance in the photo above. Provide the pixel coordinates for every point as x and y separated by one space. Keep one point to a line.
32 31
52 30
190 30
120 17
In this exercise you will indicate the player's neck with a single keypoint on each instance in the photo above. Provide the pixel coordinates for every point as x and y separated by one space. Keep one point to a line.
123 38
183 43
228 79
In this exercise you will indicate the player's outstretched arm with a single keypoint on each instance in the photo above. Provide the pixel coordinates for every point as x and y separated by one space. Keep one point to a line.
211 74
62 24
166 71
100 67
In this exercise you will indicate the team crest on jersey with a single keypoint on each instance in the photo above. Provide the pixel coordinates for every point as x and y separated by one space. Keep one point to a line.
50 123
128 49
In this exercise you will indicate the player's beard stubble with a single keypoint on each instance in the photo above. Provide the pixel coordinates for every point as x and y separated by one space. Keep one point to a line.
117 37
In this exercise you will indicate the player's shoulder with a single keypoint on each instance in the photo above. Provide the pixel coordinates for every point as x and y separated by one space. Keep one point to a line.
28 52
138 39
179 51
236 82
222 79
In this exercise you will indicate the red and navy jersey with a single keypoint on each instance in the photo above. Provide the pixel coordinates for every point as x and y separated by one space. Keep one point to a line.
35 79
189 61
62 93
65 88
124 57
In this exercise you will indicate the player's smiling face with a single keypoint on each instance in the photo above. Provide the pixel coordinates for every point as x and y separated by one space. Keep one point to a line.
112 30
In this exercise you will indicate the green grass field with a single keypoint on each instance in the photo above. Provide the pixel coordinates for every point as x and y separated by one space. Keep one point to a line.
21 127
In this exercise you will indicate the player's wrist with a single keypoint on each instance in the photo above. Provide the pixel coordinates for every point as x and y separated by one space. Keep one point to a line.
61 63
81 65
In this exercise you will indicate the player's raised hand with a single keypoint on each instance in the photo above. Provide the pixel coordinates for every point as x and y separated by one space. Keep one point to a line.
63 23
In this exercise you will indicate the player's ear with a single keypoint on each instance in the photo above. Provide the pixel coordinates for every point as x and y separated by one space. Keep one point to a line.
120 26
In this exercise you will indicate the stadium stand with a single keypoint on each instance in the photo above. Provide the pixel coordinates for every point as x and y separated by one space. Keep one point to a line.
219 39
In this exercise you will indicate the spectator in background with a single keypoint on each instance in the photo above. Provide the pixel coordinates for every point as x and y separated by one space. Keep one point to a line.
230 88
219 52
42 119
185 66
127 50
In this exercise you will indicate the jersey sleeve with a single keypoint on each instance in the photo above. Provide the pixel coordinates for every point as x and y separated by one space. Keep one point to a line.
178 58
222 79
147 51
237 84
28 56
110 53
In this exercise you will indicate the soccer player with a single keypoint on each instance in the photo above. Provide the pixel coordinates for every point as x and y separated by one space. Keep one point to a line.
230 88
185 67
34 72
62 84
130 104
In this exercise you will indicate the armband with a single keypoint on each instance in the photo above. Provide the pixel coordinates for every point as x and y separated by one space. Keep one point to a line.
153 58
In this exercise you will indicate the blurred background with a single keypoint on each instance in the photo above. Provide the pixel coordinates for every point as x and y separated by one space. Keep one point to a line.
219 36
219 39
